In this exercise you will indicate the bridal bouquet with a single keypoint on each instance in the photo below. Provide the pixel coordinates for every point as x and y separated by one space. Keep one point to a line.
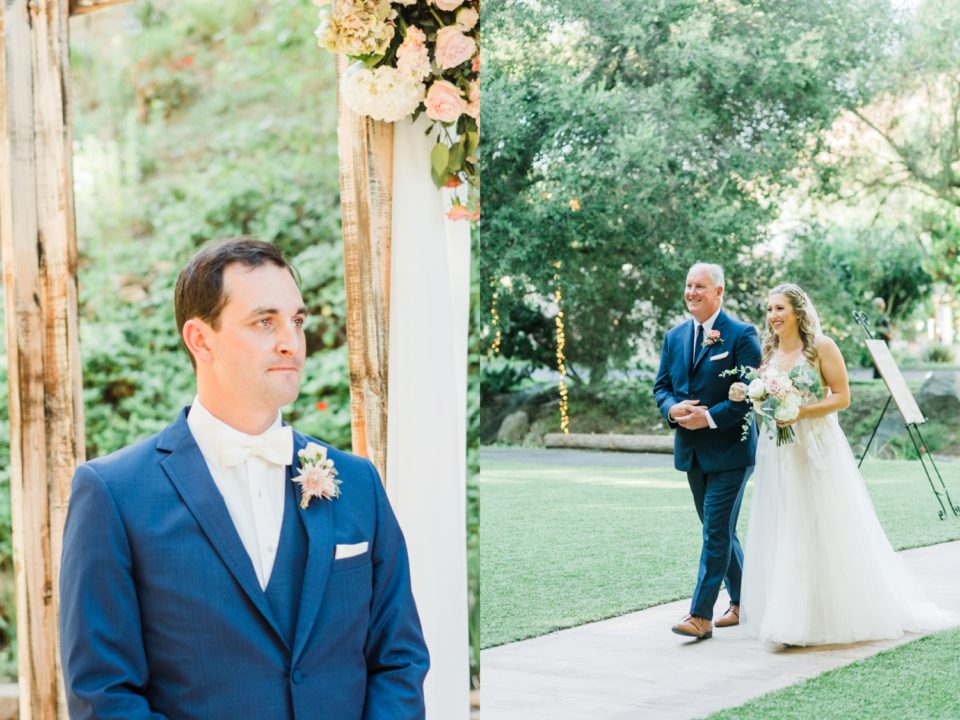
776 396
413 56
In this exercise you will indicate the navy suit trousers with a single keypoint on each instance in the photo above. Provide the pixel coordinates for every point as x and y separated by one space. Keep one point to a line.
717 496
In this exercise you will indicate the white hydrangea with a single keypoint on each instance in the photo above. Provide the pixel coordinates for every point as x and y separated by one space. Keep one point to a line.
788 409
383 94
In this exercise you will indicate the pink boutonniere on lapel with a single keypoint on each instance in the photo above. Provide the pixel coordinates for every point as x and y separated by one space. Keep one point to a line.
318 476
712 338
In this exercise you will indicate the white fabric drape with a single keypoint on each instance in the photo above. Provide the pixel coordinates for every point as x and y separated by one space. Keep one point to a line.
426 431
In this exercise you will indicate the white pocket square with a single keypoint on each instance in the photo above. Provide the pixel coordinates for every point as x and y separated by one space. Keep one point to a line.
721 356
348 551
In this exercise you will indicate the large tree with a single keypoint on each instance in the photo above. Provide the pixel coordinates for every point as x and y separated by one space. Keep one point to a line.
627 140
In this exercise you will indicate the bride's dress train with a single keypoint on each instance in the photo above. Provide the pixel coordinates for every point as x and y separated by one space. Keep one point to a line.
818 567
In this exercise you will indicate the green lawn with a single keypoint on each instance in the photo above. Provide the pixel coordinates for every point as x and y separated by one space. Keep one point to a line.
565 546
916 680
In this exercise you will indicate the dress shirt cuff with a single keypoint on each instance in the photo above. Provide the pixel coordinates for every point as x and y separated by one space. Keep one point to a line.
710 422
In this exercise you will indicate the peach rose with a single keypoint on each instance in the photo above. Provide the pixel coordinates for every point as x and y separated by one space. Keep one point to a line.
467 18
444 101
453 47
462 212
447 5
473 100
475 67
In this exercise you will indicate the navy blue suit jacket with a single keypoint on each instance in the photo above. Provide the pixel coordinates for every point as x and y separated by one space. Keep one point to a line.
720 449
162 615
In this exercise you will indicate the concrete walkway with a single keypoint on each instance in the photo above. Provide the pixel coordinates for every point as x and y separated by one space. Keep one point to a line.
633 668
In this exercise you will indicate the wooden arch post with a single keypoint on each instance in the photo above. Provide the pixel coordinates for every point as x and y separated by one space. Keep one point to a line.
40 282
366 203
39 248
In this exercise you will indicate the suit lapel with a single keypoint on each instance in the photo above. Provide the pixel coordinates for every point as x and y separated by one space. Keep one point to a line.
718 325
688 347
188 473
318 521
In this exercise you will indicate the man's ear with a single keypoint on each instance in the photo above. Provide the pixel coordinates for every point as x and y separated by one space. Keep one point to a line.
196 334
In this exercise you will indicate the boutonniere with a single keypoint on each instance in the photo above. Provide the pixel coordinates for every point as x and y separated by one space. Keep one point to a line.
712 338
318 476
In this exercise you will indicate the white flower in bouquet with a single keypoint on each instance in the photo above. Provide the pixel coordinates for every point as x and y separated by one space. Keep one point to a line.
757 390
384 93
357 27
788 408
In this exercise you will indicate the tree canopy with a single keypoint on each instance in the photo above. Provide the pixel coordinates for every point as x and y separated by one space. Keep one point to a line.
629 140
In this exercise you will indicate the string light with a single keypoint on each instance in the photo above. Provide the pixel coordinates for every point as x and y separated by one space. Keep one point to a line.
495 321
561 358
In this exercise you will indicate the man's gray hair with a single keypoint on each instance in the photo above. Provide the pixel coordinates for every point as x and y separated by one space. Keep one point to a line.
716 272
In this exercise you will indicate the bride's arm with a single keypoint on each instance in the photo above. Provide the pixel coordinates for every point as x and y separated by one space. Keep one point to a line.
834 372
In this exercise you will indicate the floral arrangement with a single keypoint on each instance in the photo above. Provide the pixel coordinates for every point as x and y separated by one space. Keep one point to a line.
318 477
776 396
712 338
411 57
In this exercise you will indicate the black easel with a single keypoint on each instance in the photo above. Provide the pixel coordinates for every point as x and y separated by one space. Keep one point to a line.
919 444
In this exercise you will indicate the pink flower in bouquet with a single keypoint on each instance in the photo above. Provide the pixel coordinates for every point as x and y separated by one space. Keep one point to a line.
773 385
453 47
475 67
473 100
467 18
447 5
444 101
412 55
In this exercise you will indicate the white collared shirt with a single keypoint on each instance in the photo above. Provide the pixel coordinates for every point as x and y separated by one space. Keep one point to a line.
707 327
253 490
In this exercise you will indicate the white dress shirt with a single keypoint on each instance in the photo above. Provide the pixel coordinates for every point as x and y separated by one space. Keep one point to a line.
253 490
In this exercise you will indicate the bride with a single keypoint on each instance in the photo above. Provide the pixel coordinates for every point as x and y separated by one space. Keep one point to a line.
818 567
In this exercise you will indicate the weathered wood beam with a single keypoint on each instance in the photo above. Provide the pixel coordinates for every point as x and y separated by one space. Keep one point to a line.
82 7
366 204
38 241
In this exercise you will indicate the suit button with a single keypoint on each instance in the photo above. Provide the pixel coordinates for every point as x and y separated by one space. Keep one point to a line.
297 676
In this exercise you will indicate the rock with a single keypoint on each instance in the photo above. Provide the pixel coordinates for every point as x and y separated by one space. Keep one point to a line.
939 398
611 441
514 427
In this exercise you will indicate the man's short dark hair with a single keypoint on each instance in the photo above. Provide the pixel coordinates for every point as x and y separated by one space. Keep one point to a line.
199 291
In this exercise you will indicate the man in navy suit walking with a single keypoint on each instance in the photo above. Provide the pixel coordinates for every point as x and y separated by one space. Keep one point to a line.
230 567
692 396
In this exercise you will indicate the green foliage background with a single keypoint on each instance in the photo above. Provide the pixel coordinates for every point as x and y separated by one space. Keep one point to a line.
626 141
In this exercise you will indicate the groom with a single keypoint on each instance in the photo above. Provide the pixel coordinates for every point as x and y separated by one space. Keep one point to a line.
199 580
692 396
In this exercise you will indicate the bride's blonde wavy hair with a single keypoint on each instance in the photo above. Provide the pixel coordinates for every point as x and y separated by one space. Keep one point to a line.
805 324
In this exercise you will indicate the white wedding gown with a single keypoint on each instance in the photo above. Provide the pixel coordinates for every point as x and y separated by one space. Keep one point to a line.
818 567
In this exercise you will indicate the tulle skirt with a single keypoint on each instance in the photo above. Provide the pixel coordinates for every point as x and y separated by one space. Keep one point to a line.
818 567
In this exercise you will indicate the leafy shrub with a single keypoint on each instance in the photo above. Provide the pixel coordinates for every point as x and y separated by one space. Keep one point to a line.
938 354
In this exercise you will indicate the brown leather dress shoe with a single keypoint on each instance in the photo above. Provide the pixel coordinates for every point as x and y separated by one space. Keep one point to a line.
730 618
693 626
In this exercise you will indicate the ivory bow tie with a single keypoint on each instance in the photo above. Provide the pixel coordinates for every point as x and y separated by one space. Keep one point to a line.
274 446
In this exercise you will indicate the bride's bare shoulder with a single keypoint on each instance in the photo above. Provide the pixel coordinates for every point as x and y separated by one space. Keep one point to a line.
827 348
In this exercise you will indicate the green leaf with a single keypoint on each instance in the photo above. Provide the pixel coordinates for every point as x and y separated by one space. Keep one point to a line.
439 157
457 155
